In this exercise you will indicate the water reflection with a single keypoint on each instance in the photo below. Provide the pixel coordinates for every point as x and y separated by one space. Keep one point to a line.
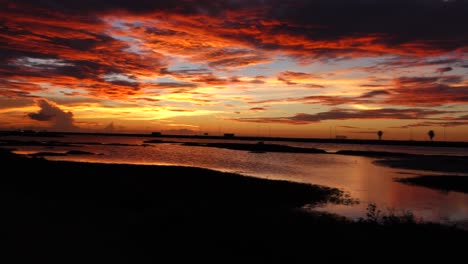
356 175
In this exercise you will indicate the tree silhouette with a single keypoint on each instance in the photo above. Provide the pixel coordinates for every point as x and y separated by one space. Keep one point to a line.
380 133
431 134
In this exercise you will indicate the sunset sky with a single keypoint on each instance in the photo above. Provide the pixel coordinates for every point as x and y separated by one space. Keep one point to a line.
300 68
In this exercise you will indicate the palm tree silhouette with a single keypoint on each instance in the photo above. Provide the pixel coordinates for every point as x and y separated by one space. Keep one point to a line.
431 134
380 133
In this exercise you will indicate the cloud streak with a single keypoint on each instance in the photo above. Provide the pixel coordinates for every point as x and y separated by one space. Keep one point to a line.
344 114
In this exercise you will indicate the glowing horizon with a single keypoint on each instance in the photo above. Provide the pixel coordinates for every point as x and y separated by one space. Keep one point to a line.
267 68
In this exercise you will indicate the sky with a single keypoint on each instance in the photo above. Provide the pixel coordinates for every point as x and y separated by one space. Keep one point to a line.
293 68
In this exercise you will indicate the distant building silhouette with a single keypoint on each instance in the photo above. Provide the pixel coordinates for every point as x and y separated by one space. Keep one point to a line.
156 134
229 135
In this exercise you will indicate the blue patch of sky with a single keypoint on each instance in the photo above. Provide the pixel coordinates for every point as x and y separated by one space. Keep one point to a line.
133 44
179 64
118 77
165 80
282 63
41 63
279 63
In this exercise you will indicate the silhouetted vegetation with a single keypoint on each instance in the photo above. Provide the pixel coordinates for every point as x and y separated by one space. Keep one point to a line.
376 216
439 182
431 134
379 134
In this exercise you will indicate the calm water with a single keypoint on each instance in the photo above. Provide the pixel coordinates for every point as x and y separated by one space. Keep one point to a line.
356 175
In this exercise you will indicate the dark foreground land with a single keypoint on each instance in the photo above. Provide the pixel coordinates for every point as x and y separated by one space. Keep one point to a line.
81 212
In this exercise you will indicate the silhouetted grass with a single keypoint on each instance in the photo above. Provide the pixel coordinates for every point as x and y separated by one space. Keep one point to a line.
439 182
375 216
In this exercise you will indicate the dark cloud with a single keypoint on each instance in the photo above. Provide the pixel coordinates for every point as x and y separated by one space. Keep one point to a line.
313 85
322 99
404 91
371 85
427 91
181 110
134 85
415 80
238 62
185 73
444 69
374 93
425 22
344 114
451 79
148 99
435 124
421 81
406 61
59 119
258 109
336 27
288 77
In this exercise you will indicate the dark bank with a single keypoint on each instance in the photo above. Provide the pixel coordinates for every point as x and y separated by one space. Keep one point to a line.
143 214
